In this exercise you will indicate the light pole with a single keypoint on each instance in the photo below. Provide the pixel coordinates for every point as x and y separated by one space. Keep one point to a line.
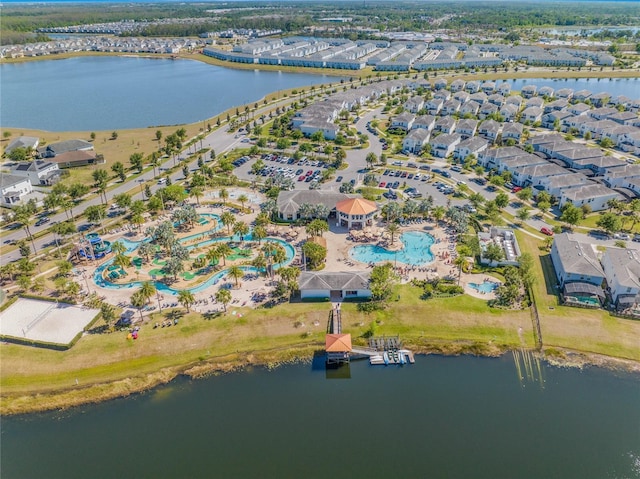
141 181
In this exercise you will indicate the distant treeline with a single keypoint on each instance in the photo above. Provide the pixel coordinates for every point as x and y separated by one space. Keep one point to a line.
18 20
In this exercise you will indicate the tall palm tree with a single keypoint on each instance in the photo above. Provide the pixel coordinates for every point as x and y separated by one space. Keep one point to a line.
224 196
223 296
147 290
228 219
259 233
241 229
243 199
224 250
123 261
186 298
118 247
392 229
259 262
24 216
138 301
460 262
236 273
439 212
196 191
213 255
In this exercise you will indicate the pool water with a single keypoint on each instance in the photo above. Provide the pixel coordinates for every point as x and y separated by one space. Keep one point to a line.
214 279
485 287
416 250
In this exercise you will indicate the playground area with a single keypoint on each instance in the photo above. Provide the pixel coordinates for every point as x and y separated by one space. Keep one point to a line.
44 321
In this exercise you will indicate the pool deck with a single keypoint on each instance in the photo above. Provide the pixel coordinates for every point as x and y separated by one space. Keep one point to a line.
254 291
478 279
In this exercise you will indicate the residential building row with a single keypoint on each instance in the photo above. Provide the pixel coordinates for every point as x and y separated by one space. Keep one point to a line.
400 56
588 277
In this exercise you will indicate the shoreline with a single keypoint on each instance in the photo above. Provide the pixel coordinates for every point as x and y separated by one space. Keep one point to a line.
60 400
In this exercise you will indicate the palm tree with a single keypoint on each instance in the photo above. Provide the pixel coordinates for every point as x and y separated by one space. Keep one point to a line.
224 195
138 301
223 296
279 254
259 262
147 290
118 247
259 233
145 250
23 215
289 274
317 227
438 213
392 229
243 199
241 229
123 261
196 191
236 273
213 255
262 219
460 262
186 299
224 250
228 219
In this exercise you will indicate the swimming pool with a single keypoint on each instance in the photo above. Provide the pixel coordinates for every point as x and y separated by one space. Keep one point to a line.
416 250
214 279
485 287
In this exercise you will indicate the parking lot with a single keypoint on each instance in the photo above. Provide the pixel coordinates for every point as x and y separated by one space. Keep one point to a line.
304 173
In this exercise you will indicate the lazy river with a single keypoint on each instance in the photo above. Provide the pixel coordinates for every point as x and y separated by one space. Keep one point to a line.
131 246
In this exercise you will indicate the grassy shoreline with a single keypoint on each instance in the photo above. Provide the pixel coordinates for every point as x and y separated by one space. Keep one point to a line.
106 366
96 393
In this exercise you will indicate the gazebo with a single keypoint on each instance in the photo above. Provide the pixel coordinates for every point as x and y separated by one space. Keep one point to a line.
338 347
356 212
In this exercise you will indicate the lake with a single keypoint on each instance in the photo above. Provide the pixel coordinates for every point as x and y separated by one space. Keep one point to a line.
104 93
441 417
109 93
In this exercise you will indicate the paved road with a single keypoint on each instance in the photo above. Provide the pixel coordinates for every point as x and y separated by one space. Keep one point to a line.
219 140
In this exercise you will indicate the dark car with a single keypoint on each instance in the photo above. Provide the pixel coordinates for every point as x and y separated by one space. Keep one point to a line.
446 174
339 179
42 221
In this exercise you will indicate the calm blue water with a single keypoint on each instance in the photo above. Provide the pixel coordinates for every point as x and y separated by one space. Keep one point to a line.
416 250
104 93
484 287
438 418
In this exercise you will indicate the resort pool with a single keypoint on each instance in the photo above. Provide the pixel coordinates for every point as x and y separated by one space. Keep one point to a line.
485 287
212 280
416 250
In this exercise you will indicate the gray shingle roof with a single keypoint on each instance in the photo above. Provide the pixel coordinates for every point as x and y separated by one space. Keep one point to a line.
577 258
289 201
324 280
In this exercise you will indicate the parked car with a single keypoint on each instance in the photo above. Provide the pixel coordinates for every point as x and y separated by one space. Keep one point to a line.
339 179
622 236
546 231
